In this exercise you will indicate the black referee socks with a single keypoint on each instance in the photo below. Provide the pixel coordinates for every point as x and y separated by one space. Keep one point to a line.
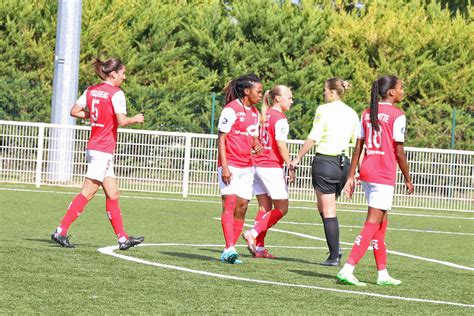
331 229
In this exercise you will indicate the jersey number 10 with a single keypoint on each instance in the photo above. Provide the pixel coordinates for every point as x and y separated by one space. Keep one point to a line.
374 139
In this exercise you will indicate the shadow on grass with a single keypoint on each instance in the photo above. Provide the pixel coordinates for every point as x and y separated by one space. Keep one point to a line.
315 274
189 256
53 244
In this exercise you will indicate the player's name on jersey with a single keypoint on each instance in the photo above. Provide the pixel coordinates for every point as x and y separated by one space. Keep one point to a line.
374 152
382 117
99 94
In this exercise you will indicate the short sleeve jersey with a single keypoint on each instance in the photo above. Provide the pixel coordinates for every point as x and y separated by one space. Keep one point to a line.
104 101
240 123
380 164
334 128
275 128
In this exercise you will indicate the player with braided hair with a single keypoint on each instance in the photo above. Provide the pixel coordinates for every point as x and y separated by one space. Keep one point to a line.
382 130
238 130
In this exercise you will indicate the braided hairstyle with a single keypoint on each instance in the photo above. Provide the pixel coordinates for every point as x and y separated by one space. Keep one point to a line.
380 88
234 89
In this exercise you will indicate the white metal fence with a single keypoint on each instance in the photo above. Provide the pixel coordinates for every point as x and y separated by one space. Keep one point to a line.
185 163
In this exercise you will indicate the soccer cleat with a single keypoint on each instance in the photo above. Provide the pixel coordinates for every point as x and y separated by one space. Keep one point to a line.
131 242
331 262
61 240
230 256
250 242
390 281
264 254
349 279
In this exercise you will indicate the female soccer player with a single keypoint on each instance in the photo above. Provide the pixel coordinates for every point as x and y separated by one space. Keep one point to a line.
104 104
382 130
238 128
270 183
334 128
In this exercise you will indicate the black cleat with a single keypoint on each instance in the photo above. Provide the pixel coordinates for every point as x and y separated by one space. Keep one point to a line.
131 242
61 240
331 262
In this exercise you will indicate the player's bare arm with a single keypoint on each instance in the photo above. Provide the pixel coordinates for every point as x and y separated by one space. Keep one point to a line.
226 174
79 112
402 163
123 120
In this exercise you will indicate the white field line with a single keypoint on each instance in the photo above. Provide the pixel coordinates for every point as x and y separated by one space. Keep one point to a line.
110 251
138 197
445 263
394 229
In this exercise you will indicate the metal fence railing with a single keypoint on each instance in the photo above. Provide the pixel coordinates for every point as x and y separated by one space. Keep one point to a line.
186 163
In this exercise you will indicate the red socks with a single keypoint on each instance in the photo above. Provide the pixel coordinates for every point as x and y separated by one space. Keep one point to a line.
362 242
260 241
115 217
238 226
74 210
268 220
380 250
227 219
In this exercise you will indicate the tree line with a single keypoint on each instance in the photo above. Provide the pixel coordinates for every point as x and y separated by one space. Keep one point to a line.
180 54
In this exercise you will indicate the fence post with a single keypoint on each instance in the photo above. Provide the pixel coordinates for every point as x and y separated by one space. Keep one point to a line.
213 113
39 155
453 127
187 163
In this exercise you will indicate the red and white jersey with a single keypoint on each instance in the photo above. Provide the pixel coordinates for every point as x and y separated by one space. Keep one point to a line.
240 123
104 101
274 129
380 164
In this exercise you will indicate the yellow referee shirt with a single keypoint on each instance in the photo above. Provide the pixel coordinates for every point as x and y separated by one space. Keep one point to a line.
334 128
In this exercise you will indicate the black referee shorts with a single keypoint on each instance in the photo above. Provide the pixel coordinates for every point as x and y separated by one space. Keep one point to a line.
327 174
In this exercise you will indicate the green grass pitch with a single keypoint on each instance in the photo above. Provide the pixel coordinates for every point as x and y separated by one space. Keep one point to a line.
37 276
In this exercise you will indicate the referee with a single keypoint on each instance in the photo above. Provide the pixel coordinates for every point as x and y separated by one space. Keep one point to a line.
334 128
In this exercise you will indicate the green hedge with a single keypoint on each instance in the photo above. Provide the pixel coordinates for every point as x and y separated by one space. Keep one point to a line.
178 53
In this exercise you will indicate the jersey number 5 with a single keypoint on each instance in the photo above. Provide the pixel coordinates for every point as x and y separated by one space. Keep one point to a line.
374 138
94 110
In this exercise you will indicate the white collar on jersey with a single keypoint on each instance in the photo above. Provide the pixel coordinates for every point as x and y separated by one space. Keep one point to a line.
242 105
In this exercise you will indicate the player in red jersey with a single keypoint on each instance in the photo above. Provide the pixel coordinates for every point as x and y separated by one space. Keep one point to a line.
104 104
270 183
238 129
382 130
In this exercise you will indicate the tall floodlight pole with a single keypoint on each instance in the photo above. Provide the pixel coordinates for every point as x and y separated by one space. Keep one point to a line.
65 86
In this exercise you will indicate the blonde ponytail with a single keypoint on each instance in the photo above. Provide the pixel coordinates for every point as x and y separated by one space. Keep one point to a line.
267 103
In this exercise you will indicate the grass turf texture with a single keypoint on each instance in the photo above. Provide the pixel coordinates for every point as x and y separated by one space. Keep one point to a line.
38 276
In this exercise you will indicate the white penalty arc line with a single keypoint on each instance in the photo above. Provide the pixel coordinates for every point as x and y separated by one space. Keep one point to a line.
393 213
110 251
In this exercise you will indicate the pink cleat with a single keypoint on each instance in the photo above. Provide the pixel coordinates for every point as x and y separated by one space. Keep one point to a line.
264 255
250 242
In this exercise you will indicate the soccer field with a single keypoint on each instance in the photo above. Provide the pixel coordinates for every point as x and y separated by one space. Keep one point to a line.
178 269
